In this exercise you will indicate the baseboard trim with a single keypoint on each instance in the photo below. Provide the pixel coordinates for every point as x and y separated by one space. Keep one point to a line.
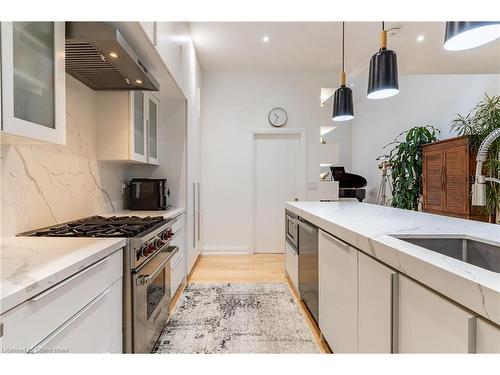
225 250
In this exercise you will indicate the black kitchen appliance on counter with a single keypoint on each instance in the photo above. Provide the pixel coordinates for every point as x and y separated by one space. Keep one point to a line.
149 194
350 185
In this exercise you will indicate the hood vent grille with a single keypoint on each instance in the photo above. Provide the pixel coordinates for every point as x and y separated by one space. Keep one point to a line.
89 46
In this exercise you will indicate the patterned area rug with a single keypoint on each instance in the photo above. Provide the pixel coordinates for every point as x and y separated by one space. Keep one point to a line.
236 318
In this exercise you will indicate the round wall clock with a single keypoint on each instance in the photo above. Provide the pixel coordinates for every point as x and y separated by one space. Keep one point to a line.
277 117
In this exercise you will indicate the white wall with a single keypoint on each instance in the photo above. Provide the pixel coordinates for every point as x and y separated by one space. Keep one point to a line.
423 100
233 104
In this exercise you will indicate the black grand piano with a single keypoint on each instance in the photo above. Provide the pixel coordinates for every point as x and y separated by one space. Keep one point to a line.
350 185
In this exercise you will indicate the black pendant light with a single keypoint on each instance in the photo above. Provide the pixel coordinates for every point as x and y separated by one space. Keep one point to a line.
462 35
342 98
383 75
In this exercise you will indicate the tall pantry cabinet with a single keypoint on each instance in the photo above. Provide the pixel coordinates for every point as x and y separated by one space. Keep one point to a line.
192 86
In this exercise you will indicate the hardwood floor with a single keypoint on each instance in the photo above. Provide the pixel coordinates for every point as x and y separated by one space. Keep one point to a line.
254 268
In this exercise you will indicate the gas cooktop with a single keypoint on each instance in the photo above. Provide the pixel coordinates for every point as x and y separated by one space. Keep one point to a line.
100 226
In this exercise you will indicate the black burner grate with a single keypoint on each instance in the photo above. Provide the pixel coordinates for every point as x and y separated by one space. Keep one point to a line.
100 226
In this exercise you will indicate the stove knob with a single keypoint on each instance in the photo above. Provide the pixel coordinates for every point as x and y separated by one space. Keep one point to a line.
165 236
142 251
148 250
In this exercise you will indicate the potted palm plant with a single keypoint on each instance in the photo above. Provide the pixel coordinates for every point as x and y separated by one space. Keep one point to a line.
406 166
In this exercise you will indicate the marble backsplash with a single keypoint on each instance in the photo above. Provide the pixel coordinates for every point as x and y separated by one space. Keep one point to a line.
44 184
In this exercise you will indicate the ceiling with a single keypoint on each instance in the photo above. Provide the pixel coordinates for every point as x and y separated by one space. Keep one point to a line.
317 46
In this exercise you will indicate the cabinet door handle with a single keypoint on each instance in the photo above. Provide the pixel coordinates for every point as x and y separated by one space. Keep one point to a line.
394 312
471 334
342 244
199 205
194 215
69 279
69 322
445 178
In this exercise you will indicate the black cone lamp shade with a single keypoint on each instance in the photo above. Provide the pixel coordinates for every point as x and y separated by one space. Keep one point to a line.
342 98
383 73
342 103
462 35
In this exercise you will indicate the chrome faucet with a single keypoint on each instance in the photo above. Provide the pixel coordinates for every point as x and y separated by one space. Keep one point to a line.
479 186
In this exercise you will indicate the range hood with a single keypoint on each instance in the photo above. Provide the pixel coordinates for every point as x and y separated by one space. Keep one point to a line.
99 56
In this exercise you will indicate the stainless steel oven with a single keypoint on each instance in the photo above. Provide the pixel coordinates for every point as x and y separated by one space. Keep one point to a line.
291 229
151 299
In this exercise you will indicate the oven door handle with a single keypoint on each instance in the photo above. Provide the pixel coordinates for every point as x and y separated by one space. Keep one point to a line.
146 280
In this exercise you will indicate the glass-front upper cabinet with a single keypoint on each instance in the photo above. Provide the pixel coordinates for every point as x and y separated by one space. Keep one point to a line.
152 125
33 80
138 127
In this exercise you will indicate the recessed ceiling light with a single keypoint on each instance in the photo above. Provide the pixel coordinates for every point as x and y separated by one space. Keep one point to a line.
138 81
265 39
420 38
113 55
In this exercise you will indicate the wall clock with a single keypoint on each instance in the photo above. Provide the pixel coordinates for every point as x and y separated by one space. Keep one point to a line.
277 117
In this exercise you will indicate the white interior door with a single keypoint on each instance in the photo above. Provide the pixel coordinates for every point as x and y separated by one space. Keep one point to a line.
277 180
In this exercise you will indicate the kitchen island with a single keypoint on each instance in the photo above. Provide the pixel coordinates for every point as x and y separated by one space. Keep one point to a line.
371 233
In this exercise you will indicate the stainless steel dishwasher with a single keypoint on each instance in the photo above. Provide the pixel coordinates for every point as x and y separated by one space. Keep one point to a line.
308 266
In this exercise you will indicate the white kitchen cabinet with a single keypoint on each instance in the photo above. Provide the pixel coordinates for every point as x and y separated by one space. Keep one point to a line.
57 306
178 263
150 28
127 125
429 323
33 80
194 162
338 285
487 337
292 265
376 286
169 43
92 330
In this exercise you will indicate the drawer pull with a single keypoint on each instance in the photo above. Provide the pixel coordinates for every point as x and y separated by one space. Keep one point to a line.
66 281
54 334
339 242
176 262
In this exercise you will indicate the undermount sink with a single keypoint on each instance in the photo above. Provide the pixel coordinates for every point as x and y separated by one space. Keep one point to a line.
478 253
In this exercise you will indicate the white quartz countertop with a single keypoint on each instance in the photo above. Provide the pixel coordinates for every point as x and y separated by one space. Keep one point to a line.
30 265
167 214
369 228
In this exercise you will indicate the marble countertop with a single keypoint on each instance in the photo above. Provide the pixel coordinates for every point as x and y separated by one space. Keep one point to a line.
370 228
30 265
167 214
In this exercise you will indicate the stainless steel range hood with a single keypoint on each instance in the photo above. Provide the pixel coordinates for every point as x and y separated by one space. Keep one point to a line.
99 56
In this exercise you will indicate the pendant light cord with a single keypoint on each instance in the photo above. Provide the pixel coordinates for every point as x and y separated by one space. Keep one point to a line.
383 26
343 41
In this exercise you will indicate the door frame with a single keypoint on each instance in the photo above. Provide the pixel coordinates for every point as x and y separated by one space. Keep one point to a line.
301 167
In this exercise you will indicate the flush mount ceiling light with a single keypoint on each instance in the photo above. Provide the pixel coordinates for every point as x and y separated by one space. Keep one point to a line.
265 39
342 98
383 75
464 35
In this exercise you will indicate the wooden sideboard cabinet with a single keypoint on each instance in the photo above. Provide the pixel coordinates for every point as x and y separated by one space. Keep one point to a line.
448 169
